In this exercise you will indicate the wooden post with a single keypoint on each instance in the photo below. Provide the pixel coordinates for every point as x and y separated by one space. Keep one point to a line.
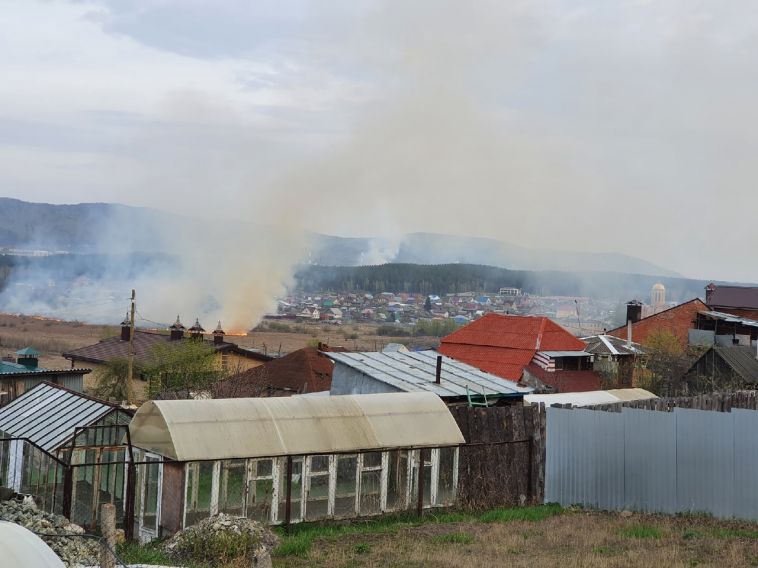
108 529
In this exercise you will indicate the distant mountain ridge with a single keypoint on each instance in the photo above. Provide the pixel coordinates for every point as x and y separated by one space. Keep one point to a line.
80 228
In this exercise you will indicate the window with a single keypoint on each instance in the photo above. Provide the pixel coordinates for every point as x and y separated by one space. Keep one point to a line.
447 476
198 492
397 479
371 482
231 498
344 502
260 489
317 488
427 472
297 489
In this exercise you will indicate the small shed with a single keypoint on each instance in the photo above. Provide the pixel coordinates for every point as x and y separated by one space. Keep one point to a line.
23 374
416 371
282 460
49 427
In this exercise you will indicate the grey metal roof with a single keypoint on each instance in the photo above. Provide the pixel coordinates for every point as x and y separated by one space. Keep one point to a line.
416 370
610 345
742 359
48 415
730 318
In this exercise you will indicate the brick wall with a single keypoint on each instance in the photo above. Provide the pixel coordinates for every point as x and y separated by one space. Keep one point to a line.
678 320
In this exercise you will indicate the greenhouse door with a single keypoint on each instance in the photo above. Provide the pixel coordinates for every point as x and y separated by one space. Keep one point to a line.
150 485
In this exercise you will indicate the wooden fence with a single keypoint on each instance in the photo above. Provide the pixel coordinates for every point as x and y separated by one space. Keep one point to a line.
503 460
717 401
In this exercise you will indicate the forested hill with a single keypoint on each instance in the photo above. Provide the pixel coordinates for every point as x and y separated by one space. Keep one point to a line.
452 278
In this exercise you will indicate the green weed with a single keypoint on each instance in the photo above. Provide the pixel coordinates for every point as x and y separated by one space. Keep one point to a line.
640 531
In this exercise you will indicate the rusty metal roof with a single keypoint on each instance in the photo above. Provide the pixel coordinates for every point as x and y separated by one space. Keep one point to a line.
190 430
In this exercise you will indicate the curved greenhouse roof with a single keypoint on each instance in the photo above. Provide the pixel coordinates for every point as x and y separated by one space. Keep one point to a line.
190 430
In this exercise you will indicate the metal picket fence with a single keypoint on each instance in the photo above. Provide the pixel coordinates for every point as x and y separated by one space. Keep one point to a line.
683 461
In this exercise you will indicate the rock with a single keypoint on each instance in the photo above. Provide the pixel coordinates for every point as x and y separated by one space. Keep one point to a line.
72 550
223 538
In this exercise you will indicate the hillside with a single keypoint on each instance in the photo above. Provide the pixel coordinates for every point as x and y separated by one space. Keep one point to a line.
106 228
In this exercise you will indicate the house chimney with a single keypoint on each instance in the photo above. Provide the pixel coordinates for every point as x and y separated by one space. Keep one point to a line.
633 311
177 330
196 331
126 328
28 357
709 293
218 334
438 374
629 334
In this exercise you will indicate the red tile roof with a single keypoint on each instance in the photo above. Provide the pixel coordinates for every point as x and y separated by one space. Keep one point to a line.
304 370
503 344
567 381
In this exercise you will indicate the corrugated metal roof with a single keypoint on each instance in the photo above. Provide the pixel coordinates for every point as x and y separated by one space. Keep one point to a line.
730 318
10 368
590 398
742 359
416 371
48 415
553 354
610 345
187 430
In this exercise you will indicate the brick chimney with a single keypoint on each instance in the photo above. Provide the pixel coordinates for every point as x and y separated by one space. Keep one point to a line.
126 328
196 331
633 311
177 330
218 334
709 293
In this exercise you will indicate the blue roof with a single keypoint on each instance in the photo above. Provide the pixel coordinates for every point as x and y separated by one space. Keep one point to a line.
28 352
9 368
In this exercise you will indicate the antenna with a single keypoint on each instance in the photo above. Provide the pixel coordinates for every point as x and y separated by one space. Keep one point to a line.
578 317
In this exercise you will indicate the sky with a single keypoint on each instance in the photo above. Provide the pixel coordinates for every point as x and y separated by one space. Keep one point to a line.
625 126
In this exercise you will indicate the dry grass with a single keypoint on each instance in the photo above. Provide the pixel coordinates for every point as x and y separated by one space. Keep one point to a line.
576 538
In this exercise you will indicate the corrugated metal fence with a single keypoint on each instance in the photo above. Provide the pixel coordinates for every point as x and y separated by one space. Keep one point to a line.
669 462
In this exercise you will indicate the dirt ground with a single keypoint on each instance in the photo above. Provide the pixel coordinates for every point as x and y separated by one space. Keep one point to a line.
587 539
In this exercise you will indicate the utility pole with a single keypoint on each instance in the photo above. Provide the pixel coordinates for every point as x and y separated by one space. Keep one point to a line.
130 371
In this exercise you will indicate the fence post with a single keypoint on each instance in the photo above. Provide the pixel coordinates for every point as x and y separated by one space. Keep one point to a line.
68 485
108 529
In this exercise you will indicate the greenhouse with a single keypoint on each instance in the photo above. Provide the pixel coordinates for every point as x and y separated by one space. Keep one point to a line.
286 460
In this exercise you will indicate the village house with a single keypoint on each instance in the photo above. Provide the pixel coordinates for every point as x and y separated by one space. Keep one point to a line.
399 370
678 321
305 370
735 300
614 358
726 367
231 356
20 373
533 350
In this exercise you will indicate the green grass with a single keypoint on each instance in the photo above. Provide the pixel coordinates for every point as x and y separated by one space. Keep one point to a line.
537 513
301 536
134 553
454 538
735 533
640 531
